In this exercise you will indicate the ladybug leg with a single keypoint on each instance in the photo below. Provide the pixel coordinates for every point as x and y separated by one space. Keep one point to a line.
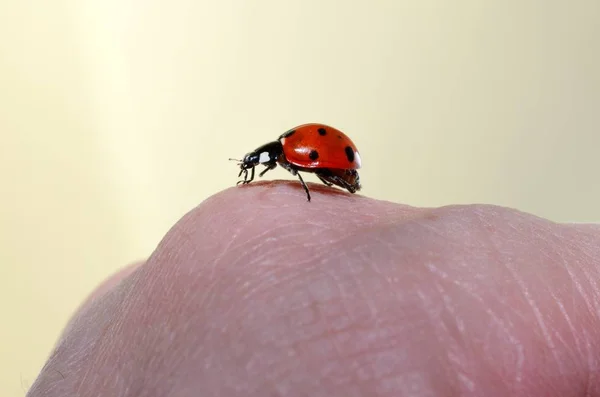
324 181
348 180
240 174
295 172
251 177
342 183
303 185
269 167
246 180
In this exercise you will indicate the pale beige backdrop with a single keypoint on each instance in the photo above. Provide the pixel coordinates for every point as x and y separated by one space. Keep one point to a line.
117 117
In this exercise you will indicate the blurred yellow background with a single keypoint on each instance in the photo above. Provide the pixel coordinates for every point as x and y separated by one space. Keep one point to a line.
117 117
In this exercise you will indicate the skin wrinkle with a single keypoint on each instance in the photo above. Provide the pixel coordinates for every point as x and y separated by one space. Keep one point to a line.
233 240
495 318
518 346
282 312
151 282
539 318
338 349
393 247
317 338
103 352
298 233
332 338
594 301
352 361
271 277
547 332
591 302
552 255
570 325
332 331
433 312
79 327
458 351
519 369
232 247
592 362
276 378
373 311
233 244
452 338
347 316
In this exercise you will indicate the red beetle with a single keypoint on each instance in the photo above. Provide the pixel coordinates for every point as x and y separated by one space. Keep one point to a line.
323 150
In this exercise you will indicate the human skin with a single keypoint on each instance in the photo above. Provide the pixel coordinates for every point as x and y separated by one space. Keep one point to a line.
257 292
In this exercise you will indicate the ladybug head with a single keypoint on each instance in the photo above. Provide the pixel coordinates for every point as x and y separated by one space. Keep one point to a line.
250 160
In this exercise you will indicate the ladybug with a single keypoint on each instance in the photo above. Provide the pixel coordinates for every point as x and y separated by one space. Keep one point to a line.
318 148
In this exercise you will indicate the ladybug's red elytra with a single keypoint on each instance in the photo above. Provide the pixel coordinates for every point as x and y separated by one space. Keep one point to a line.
318 148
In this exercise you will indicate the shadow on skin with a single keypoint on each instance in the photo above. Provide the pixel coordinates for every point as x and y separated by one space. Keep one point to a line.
312 186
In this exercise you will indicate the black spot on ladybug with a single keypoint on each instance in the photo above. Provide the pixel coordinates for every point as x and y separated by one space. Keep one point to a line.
313 155
289 133
339 137
322 131
349 153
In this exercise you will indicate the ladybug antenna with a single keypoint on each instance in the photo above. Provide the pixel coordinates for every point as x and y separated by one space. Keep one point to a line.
239 161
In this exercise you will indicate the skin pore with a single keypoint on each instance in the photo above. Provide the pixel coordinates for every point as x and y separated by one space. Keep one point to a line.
257 292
